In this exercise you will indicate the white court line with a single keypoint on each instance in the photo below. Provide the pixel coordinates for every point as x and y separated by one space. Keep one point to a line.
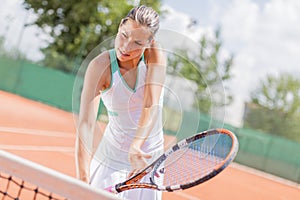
264 175
37 132
187 196
37 148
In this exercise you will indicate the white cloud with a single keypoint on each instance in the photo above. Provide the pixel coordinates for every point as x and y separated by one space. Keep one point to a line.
178 21
265 39
238 23
12 19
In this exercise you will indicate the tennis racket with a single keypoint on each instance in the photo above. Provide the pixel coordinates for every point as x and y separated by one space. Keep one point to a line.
190 162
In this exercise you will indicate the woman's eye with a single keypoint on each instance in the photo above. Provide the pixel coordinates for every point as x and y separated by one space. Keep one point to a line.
138 43
124 35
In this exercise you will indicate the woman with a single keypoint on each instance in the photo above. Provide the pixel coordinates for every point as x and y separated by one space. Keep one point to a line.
129 79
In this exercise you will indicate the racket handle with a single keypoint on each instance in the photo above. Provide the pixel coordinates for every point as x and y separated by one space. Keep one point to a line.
111 189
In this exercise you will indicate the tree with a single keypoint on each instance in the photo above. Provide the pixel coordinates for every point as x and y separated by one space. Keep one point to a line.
206 70
76 27
275 106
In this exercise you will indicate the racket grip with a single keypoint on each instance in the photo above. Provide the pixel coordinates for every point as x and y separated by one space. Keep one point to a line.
111 189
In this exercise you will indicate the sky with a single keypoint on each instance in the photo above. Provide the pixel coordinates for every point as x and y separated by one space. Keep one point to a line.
263 36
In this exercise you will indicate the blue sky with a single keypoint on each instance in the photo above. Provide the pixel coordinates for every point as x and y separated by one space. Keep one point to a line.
202 9
263 35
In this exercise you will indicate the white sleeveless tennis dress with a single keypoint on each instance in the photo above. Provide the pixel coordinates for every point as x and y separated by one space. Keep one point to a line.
110 164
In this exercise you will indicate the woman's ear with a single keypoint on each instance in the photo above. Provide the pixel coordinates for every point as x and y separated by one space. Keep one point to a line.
152 42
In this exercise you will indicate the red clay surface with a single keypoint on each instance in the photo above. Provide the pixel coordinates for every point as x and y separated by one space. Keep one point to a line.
46 135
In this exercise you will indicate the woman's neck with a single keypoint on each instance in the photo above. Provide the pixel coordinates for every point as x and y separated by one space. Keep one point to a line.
128 65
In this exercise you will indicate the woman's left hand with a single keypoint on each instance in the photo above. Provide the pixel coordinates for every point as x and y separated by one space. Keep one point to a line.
137 159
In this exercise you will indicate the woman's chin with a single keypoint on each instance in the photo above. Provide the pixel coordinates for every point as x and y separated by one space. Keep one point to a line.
124 58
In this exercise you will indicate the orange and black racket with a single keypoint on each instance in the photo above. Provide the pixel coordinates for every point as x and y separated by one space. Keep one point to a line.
190 162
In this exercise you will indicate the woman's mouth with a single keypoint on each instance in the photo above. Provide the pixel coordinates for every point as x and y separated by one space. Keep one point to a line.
123 54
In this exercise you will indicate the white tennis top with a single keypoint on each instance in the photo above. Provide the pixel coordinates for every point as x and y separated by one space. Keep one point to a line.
124 106
110 164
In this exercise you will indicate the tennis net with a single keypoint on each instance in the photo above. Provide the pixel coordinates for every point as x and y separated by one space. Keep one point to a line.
21 179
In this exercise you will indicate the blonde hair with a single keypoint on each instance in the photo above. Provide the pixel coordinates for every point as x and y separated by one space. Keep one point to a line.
145 16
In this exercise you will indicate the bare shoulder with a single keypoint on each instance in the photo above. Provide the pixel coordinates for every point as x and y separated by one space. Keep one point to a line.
98 71
155 55
100 63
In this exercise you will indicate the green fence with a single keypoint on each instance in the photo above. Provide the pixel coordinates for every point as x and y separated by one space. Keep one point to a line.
269 153
262 151
39 83
266 152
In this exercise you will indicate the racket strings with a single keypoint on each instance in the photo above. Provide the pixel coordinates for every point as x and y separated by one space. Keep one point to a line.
193 162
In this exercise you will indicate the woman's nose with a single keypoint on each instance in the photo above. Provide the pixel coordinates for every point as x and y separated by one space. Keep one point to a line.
126 47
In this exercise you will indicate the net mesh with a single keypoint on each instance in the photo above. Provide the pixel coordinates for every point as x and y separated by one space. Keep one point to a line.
18 189
21 179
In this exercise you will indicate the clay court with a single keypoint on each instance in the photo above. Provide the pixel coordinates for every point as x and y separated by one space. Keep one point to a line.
46 135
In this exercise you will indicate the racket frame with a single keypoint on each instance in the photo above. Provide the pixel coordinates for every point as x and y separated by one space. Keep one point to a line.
132 183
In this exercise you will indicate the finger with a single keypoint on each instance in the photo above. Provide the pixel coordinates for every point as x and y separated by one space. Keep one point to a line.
144 155
133 172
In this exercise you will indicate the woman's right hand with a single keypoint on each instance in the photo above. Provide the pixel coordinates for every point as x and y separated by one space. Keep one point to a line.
85 178
137 159
83 173
82 159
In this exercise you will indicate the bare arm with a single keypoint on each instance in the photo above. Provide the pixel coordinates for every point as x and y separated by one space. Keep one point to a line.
154 84
87 128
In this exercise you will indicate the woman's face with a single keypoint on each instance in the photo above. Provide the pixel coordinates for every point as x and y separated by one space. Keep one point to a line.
131 40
